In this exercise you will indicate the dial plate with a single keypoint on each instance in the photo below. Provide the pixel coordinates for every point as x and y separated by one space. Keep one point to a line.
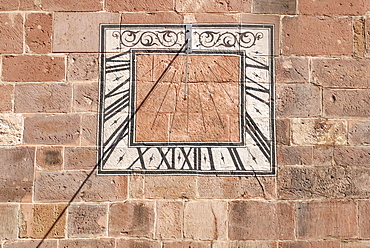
164 110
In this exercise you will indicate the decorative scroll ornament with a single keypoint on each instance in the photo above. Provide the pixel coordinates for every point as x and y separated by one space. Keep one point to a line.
227 39
166 38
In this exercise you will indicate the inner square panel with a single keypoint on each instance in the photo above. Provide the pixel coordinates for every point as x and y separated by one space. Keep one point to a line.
202 105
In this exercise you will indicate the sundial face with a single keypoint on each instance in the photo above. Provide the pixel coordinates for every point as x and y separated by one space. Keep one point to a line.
187 99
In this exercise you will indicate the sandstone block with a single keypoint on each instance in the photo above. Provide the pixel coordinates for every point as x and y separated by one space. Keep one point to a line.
6 5
33 68
170 187
83 66
80 158
318 132
52 129
87 220
291 70
346 103
61 186
136 186
30 244
261 220
294 155
136 6
79 32
309 244
359 133
132 218
332 7
352 156
211 17
124 243
85 97
8 221
300 36
87 243
275 7
16 179
70 5
6 104
88 129
38 32
49 158
367 34
326 219
210 6
344 73
187 244
323 183
299 100
153 17
282 131
37 219
236 187
169 223
214 213
11 30
244 244
11 126
323 155
47 98
355 244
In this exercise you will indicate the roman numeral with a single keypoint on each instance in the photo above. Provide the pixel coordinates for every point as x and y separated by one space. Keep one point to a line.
164 159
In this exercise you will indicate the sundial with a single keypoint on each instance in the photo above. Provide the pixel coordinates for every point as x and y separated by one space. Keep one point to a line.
187 99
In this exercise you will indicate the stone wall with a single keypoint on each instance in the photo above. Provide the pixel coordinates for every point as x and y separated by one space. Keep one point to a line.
48 109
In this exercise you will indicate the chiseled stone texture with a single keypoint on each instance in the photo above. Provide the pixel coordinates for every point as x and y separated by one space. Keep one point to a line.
299 100
282 131
309 244
85 97
318 220
49 158
38 32
52 129
292 70
8 221
323 183
318 132
187 244
138 5
16 179
70 5
300 35
45 98
87 243
275 6
11 126
137 243
214 213
87 220
359 133
355 244
236 187
132 218
80 158
352 156
11 32
31 244
262 220
37 219
244 244
88 129
83 66
79 32
294 155
344 73
346 103
61 186
170 187
212 6
169 223
333 7
33 68
6 104
364 219
152 17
